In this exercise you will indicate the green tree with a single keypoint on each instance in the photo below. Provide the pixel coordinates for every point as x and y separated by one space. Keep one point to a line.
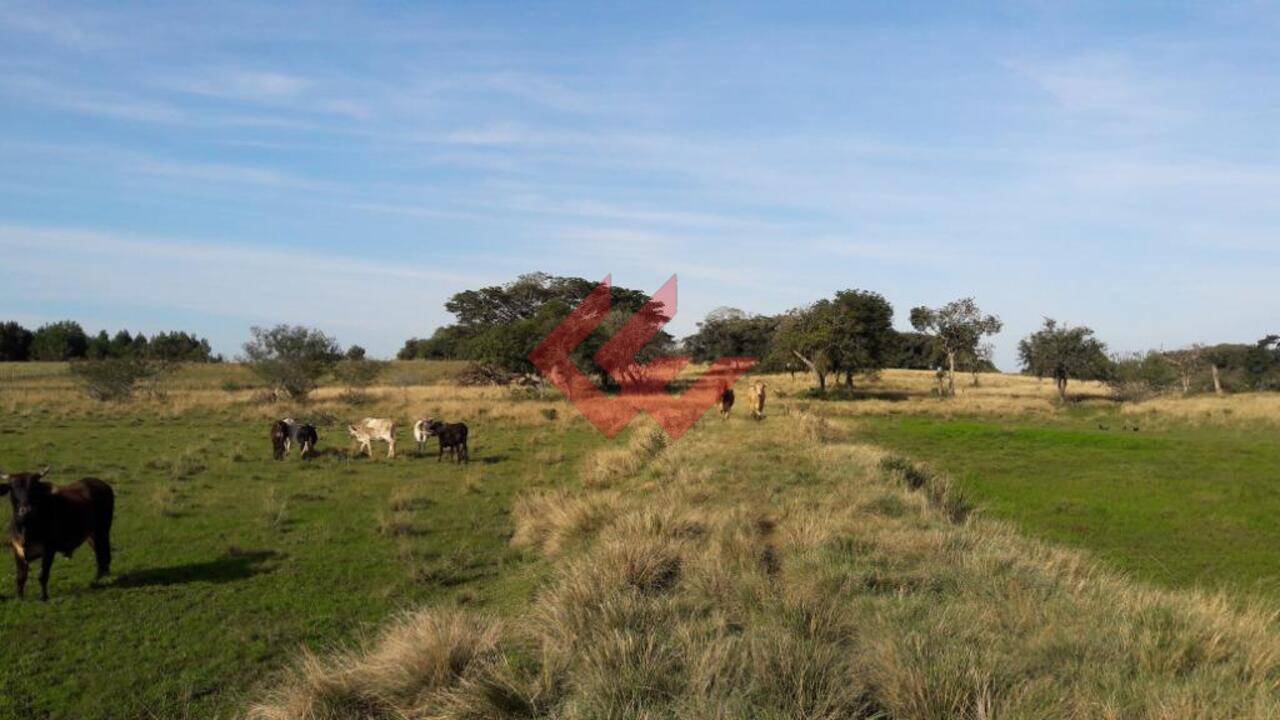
15 342
355 353
179 346
729 332
121 344
807 334
1064 353
64 340
958 327
863 335
848 334
499 326
99 346
291 359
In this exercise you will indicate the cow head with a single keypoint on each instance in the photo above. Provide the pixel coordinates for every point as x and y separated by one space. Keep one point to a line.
28 493
354 432
433 427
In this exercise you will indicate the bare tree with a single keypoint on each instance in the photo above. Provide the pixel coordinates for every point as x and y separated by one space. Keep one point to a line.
958 327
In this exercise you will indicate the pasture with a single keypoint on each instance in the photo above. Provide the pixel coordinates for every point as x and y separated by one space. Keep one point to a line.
813 548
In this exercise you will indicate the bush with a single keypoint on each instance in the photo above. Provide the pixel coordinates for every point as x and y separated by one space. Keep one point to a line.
291 358
115 378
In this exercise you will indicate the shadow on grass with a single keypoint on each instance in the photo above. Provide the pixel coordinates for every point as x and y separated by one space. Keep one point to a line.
229 568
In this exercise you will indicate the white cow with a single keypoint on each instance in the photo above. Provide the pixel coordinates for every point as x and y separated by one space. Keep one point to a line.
421 433
371 429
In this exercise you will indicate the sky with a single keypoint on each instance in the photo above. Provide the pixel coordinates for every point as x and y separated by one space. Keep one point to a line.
214 166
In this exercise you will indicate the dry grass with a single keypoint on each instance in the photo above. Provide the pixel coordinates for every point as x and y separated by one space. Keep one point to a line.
746 572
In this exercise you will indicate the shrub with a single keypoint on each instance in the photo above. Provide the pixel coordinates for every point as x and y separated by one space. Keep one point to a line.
115 378
291 358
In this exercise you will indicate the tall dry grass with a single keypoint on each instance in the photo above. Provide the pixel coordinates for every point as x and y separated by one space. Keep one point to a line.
777 570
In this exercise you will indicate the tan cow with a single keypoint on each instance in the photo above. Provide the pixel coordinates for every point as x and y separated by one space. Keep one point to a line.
371 429
757 393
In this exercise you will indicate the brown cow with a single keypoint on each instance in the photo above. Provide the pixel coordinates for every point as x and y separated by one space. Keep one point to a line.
48 520
757 400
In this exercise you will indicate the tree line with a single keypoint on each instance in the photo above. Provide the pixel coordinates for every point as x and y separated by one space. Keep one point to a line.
834 339
66 340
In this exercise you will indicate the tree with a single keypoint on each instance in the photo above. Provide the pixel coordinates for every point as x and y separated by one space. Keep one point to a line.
445 343
179 347
917 351
499 326
1187 362
59 341
805 334
99 346
291 358
355 353
849 334
1064 353
15 342
958 327
121 344
863 335
1262 363
729 332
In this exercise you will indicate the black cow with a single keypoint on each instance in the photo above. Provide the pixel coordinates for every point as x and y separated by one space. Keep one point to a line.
48 520
726 400
288 432
453 437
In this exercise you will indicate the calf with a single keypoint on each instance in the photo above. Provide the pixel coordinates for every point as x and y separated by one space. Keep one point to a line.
453 437
371 429
48 520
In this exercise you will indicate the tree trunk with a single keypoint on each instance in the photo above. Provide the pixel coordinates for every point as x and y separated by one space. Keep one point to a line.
1062 388
951 374
848 379
1186 384
1217 381
822 377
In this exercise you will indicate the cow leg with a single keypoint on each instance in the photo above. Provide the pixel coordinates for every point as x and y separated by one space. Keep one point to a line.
101 544
23 566
391 448
46 566
440 455
463 455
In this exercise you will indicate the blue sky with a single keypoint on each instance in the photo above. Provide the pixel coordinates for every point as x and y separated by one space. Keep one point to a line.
212 166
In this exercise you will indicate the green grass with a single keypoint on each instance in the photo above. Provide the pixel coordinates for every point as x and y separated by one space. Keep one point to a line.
227 562
1176 504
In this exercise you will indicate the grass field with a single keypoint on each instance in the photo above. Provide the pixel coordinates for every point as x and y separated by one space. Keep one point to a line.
228 562
775 569
1175 503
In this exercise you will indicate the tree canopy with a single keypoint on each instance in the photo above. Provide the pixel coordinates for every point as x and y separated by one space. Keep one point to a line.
958 328
1064 353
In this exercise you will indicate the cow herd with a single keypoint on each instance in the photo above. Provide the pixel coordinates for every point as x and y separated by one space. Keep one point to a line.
49 519
287 433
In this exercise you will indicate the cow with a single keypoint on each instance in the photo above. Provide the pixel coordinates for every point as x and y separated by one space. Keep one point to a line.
421 433
279 439
371 429
453 437
48 520
726 400
757 400
289 432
